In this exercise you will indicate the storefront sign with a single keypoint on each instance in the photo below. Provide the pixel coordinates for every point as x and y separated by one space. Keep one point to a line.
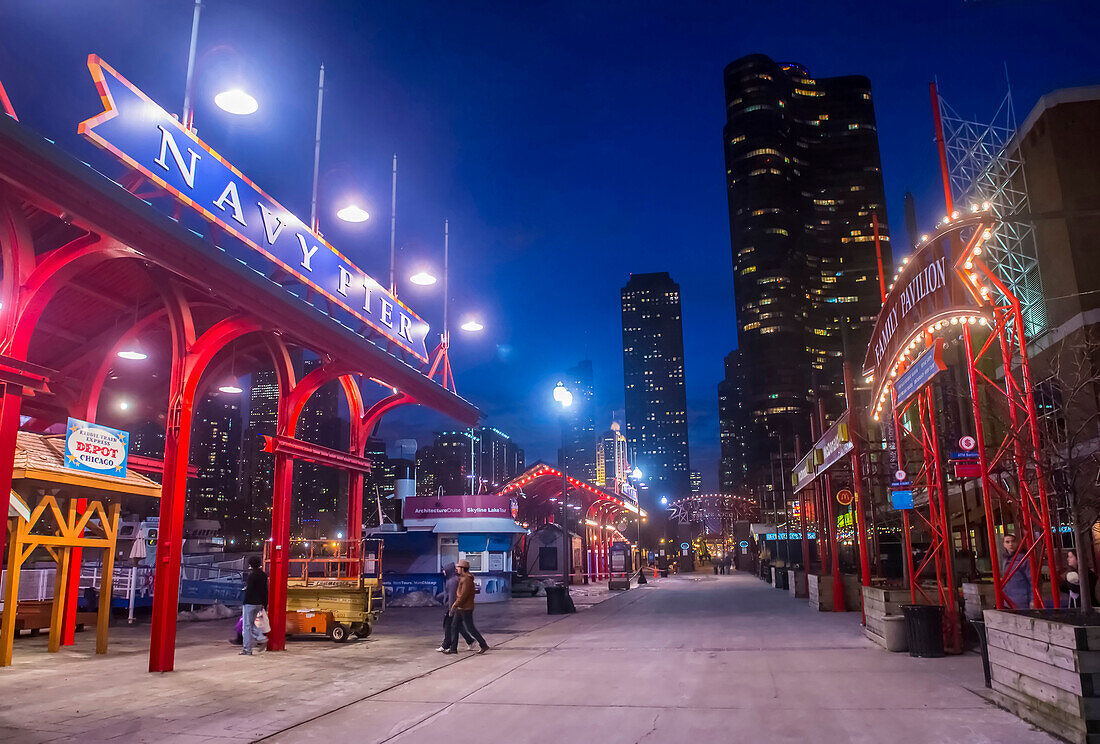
901 499
96 449
844 497
968 469
150 140
825 453
450 507
920 373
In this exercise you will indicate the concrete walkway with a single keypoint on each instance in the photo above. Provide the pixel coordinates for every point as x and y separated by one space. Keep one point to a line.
692 658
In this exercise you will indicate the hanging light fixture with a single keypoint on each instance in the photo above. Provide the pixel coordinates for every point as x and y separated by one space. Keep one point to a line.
133 350
230 386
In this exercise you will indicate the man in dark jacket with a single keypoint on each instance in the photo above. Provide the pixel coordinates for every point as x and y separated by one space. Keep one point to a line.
463 609
255 599
450 627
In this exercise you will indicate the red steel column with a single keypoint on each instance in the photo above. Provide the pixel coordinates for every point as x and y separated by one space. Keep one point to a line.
938 121
11 400
280 551
858 488
166 580
354 532
72 588
1040 475
907 543
834 553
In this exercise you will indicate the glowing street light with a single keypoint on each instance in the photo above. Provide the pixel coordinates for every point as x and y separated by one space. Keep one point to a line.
562 395
473 325
637 474
423 278
237 102
353 213
664 501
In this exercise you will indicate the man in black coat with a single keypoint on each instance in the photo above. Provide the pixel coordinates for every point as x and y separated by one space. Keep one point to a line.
255 599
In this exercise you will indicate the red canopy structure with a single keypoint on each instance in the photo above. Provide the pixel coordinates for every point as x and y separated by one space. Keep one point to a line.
540 495
91 266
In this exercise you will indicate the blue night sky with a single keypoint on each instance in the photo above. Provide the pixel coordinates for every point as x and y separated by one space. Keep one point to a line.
568 143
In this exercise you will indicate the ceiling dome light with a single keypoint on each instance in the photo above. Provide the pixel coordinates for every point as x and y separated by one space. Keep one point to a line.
133 352
231 388
472 326
423 278
236 101
352 213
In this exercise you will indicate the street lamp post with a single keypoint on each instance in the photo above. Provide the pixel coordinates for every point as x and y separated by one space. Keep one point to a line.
565 399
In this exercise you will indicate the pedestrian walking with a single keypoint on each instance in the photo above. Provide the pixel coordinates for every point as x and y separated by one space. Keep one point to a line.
1071 581
727 564
1017 587
452 628
463 608
255 599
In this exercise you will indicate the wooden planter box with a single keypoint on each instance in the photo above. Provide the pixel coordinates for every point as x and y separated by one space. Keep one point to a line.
882 610
1045 668
976 599
796 583
819 592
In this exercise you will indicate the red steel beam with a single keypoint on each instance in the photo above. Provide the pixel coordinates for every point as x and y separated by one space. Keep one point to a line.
315 453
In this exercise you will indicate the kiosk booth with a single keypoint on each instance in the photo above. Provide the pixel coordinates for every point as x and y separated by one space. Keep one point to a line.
446 529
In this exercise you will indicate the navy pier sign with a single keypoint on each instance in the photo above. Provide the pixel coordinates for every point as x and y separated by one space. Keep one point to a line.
150 140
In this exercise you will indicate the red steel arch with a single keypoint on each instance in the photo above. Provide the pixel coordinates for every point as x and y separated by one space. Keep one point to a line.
65 227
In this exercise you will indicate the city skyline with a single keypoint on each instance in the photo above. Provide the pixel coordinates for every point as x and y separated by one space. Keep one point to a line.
482 186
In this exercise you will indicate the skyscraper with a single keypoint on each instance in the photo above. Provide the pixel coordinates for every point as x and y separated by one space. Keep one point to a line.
732 428
804 183
612 461
579 434
653 380
468 461
255 483
317 488
215 451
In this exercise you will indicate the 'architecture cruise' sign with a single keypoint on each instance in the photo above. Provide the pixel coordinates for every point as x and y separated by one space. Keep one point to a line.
151 141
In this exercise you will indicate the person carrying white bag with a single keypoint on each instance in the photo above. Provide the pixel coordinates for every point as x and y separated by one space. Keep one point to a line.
254 621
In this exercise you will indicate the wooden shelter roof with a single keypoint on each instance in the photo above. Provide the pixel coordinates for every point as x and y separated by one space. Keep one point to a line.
41 457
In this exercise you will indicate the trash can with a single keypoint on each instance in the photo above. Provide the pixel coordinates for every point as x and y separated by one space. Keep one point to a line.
924 630
781 579
558 601
979 627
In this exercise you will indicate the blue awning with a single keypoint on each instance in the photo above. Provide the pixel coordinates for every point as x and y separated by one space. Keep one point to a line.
500 542
475 543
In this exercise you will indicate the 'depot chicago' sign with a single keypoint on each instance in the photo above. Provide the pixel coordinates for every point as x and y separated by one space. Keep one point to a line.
148 139
96 449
